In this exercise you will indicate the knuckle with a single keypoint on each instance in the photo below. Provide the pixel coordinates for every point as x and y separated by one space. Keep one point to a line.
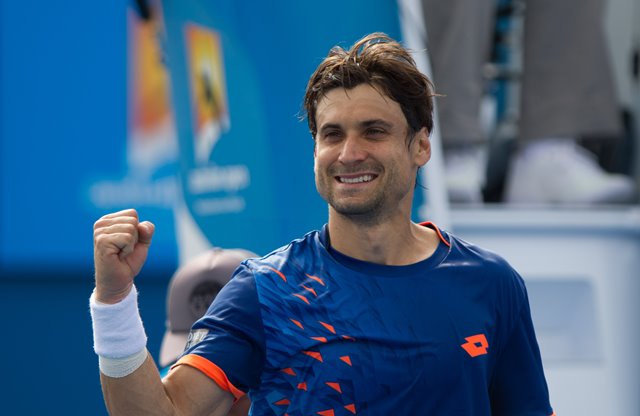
99 239
129 228
99 224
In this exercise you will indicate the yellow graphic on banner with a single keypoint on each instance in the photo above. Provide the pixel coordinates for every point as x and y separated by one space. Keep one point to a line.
208 89
149 78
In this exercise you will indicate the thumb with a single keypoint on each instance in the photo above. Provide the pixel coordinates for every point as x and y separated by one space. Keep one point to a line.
145 232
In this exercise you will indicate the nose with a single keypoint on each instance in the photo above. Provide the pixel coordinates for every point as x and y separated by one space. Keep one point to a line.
353 149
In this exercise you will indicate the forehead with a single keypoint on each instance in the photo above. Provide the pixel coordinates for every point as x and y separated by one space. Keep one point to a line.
363 102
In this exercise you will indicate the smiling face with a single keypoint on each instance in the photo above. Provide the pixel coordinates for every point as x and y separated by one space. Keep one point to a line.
365 160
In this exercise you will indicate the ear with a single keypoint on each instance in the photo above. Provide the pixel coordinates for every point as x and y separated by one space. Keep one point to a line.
422 149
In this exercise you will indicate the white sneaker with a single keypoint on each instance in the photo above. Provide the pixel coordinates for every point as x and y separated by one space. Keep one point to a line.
465 172
560 171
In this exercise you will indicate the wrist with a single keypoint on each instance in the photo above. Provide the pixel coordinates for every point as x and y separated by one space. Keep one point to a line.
108 297
122 367
117 328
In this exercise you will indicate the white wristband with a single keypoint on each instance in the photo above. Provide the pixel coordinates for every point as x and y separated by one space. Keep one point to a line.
117 328
121 367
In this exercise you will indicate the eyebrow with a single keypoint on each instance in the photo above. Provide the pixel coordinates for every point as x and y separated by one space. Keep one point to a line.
376 122
363 124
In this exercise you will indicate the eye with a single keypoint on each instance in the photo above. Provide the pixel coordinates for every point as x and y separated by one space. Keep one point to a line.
375 133
331 135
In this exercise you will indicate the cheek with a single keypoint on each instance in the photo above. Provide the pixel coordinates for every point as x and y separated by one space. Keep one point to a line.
320 158
318 168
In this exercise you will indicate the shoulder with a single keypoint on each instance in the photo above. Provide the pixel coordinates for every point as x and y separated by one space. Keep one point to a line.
296 254
464 252
484 263
461 248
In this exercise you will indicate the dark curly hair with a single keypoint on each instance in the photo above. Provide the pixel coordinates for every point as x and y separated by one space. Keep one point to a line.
383 63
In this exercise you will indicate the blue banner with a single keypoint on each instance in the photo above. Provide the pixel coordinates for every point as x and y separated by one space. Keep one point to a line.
238 72
190 114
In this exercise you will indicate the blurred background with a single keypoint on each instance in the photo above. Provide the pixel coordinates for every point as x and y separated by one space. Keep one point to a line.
190 112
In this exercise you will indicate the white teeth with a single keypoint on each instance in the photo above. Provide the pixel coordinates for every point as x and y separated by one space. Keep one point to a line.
359 179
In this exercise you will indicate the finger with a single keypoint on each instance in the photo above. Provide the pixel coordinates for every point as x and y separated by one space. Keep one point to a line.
145 232
115 243
126 243
124 213
105 221
125 228
111 239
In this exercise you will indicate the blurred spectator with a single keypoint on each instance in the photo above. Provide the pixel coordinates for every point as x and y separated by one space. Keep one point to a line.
191 290
567 94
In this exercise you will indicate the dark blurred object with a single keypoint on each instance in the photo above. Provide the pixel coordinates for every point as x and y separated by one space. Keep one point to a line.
616 155
500 152
144 9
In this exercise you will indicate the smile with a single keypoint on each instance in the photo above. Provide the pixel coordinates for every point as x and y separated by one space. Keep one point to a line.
356 179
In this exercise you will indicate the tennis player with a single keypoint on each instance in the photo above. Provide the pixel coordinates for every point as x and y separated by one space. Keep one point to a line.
370 314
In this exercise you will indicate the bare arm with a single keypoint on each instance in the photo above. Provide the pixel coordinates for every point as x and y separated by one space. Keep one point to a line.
185 391
121 244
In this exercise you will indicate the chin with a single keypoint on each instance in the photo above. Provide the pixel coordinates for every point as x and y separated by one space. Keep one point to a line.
365 208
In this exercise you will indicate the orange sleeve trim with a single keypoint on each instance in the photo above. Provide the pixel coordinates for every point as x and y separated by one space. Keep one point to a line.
212 371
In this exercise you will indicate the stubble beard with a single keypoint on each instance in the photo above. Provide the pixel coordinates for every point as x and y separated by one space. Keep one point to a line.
366 209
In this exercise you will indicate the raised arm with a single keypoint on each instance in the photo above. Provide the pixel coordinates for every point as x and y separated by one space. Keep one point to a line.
131 383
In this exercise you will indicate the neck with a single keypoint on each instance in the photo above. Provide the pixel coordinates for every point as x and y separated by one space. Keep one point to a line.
396 241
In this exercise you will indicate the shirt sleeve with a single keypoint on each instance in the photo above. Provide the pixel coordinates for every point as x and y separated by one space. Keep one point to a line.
518 385
227 343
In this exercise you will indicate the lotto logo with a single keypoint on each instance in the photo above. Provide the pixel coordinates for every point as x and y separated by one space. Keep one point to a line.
476 345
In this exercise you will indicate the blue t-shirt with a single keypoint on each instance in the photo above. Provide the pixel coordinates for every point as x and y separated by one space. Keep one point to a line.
306 330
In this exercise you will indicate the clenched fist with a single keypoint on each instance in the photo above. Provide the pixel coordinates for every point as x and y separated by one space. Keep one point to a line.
120 246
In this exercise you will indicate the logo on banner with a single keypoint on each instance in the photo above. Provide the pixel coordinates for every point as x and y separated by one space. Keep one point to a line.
152 146
210 109
210 122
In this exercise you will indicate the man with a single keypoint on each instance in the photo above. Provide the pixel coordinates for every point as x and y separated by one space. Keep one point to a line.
373 314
